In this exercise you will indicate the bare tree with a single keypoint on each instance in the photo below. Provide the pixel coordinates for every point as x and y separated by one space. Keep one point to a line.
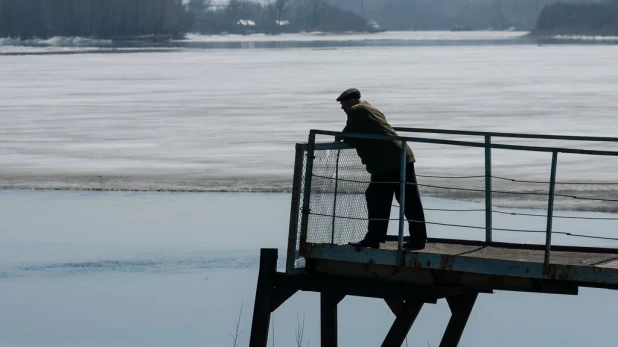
316 12
197 15
300 330
500 13
236 335
197 6
278 7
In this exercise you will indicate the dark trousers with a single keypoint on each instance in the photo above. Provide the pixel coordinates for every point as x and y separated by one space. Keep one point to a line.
379 197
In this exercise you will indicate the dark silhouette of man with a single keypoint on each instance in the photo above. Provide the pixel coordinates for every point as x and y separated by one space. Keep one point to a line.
382 160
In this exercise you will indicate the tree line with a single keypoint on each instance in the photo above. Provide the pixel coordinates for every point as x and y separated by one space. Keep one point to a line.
452 14
92 18
173 18
168 18
276 16
579 19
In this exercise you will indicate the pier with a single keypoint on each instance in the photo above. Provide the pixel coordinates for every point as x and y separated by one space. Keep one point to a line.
328 211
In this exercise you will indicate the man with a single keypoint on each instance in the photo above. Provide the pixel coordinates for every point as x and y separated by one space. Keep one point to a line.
382 160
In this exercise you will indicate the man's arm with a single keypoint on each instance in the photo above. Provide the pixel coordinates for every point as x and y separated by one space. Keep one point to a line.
355 124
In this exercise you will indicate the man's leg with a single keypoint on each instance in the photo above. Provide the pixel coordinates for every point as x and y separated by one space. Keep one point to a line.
379 196
414 210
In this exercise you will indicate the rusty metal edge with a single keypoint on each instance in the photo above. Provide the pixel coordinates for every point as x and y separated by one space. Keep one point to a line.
528 246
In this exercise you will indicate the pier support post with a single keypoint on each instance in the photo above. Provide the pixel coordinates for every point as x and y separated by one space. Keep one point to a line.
398 332
263 298
461 307
328 323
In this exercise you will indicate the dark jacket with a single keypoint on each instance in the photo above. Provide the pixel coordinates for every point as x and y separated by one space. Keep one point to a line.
379 156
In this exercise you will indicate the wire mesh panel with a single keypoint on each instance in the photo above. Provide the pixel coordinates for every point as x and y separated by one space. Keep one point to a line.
337 207
337 204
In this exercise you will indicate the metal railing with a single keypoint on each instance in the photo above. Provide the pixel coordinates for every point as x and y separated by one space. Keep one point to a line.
304 174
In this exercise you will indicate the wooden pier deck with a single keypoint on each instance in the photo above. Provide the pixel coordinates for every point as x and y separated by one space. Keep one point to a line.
498 266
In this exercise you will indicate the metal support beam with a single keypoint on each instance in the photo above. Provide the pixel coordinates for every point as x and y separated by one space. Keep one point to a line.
332 237
488 203
402 199
550 206
328 323
304 221
461 306
395 305
398 332
370 288
263 296
280 295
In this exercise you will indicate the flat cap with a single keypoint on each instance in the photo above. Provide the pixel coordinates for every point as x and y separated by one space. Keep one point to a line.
351 93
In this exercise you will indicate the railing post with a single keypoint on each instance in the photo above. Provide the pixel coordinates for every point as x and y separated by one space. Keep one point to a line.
292 253
550 205
304 225
402 195
488 204
332 237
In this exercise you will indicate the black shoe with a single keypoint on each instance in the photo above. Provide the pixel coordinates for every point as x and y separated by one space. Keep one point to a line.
365 243
414 245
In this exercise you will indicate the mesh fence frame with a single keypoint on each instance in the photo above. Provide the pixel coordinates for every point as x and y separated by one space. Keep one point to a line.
338 210
299 262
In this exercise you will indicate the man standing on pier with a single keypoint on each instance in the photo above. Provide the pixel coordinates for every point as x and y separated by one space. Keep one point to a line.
382 160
